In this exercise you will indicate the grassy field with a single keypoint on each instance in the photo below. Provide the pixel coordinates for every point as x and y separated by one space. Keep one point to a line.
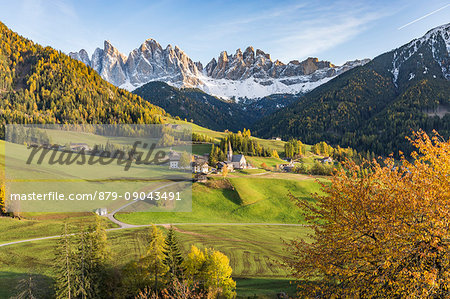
269 161
255 254
249 196
45 224
241 199
201 149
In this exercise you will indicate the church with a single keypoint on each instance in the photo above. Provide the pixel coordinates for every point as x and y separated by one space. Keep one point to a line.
238 161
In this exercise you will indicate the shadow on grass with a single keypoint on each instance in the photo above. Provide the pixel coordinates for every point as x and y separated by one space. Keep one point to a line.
264 287
12 283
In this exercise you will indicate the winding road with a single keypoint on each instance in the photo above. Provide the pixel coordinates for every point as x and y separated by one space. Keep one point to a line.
123 225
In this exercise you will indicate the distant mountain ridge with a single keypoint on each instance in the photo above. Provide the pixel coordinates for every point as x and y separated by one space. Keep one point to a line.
375 106
209 111
250 74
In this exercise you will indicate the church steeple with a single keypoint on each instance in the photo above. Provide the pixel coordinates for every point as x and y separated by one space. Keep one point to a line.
230 152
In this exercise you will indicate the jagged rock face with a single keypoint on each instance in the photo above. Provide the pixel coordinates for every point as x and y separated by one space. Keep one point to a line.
149 62
82 56
241 66
248 74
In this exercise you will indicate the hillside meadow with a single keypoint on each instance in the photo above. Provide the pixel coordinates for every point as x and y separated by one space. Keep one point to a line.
255 253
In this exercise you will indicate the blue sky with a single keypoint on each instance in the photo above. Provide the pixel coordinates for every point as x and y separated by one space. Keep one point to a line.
330 30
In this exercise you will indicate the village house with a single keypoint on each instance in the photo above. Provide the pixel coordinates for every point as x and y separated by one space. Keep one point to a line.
221 165
200 166
76 147
326 160
101 211
276 138
287 167
174 160
174 126
201 178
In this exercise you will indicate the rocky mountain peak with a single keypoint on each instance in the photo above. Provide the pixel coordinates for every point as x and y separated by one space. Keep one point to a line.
430 53
261 53
82 56
254 70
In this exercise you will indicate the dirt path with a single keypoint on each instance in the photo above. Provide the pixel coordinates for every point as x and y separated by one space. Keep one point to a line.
123 225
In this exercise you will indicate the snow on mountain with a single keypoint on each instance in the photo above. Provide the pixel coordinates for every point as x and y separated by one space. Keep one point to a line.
435 44
251 74
254 87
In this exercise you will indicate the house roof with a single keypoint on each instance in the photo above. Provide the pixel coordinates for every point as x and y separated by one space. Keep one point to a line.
174 156
237 158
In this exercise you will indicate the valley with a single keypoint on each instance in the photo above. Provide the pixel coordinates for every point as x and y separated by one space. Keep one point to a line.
295 180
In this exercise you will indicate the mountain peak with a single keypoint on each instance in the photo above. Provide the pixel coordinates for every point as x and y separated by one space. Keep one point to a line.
434 45
255 69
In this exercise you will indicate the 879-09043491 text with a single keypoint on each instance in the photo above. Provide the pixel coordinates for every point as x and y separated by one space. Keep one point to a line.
102 195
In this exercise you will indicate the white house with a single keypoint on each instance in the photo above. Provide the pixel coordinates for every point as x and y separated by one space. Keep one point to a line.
174 160
200 166
101 211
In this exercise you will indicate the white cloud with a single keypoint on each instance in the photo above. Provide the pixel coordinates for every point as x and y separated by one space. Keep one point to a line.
297 31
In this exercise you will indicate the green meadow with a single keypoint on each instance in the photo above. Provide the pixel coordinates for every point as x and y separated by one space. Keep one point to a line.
238 199
255 253
221 208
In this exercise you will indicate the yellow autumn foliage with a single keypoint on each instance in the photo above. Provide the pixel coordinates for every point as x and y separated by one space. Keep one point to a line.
381 233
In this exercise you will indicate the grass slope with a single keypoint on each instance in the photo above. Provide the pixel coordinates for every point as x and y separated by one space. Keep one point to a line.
254 251
44 224
248 199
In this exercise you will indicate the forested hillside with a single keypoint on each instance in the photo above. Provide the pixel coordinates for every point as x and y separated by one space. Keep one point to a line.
209 111
373 107
42 85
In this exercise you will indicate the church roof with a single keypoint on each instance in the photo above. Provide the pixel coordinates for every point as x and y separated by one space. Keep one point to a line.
237 158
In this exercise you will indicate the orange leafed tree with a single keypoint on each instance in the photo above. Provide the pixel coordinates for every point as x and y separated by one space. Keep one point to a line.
2 198
380 233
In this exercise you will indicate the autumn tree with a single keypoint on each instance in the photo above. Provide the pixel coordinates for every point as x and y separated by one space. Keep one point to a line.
275 154
212 271
185 160
225 170
176 289
380 233
2 199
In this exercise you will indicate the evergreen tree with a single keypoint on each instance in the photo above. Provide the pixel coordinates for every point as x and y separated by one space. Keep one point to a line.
29 288
84 283
153 261
212 160
64 267
91 258
173 257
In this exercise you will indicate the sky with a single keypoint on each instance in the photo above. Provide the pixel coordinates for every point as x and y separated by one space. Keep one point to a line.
336 31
